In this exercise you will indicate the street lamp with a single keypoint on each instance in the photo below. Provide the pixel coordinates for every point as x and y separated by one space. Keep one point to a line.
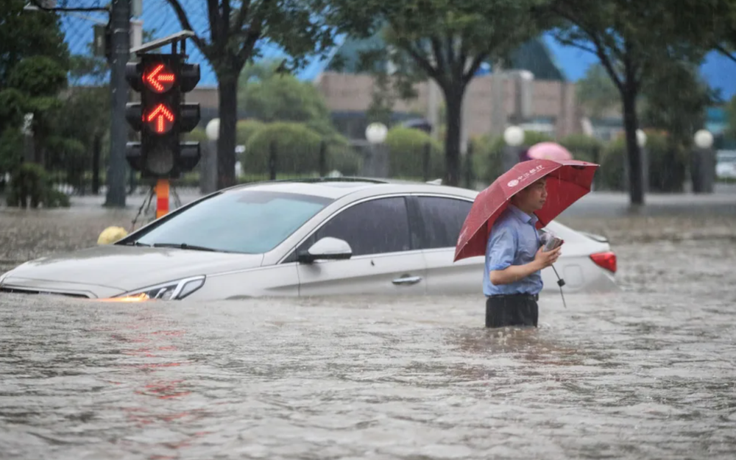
703 139
376 161
213 129
703 163
513 136
641 141
208 164
376 133
641 138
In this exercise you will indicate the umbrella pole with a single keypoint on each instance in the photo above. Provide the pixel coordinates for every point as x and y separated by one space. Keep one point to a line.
560 283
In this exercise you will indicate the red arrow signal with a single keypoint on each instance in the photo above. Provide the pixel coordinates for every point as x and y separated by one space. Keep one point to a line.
160 79
160 119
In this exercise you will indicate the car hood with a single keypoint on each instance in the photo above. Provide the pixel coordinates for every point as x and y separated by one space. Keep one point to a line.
129 267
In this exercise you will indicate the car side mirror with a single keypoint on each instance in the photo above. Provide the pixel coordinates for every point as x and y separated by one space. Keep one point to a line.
327 248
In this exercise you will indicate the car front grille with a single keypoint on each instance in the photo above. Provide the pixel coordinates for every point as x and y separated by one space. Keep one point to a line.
8 290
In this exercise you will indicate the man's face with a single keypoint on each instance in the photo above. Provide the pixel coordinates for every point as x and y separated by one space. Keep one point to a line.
533 197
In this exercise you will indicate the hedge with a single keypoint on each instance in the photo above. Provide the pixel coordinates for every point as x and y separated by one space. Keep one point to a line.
407 150
31 186
668 164
488 164
297 151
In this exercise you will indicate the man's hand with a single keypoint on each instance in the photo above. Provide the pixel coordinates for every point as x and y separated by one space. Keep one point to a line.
546 259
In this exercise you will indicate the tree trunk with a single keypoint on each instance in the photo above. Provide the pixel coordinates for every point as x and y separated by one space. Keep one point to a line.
636 173
454 104
228 94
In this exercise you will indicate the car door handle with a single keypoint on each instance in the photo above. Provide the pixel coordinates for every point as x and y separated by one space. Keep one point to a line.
407 280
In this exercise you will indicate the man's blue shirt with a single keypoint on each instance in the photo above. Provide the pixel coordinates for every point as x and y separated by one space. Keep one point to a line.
514 241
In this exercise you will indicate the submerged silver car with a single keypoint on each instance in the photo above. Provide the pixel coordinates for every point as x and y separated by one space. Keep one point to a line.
300 238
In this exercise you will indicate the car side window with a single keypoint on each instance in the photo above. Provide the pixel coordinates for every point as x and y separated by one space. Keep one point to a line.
373 227
442 219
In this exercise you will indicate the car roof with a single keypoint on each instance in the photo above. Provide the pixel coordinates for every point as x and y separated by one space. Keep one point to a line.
339 187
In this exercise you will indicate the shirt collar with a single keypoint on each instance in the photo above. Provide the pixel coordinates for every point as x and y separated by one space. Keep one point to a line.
521 215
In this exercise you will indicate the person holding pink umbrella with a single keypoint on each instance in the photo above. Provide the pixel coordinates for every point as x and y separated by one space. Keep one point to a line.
503 225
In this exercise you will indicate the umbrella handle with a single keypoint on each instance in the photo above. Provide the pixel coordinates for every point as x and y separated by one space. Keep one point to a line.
560 283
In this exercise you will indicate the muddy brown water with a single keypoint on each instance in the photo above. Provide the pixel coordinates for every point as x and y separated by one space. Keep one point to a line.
647 372
644 373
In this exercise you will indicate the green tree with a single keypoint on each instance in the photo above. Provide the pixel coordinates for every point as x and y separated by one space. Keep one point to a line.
675 99
270 96
596 92
629 39
33 63
24 34
731 115
233 37
445 40
39 79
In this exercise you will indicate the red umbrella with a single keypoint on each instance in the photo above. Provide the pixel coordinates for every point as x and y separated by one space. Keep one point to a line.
567 182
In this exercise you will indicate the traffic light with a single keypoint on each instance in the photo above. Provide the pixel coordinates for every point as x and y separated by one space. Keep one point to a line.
162 116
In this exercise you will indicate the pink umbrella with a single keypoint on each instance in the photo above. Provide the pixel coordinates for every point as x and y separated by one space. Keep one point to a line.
549 151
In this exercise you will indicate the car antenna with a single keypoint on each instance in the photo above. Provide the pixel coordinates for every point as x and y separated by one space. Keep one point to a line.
560 283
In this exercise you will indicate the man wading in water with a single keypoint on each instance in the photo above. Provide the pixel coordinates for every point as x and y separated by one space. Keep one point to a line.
514 259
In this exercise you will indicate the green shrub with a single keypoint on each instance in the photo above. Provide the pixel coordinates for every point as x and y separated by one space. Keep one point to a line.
612 173
245 129
582 147
31 185
343 158
407 148
297 151
11 150
56 199
667 164
196 135
488 161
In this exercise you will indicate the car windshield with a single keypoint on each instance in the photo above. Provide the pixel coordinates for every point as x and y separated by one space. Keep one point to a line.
246 221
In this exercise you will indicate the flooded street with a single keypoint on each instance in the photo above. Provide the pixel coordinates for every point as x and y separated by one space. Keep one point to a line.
645 373
649 372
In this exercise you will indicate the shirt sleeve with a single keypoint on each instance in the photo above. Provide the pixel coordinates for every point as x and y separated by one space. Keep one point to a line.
501 250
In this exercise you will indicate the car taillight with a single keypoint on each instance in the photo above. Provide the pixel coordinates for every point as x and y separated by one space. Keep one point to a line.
605 260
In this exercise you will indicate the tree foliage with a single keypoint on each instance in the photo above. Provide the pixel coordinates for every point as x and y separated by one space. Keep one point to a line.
597 93
269 96
630 40
445 40
675 99
33 63
25 34
235 34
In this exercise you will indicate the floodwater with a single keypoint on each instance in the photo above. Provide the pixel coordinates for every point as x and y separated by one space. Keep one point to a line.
649 372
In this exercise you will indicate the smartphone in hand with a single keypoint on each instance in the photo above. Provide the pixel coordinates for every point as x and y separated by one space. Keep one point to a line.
553 243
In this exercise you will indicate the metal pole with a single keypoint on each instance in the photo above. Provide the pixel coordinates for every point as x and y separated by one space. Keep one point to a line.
322 159
272 161
426 155
120 52
162 198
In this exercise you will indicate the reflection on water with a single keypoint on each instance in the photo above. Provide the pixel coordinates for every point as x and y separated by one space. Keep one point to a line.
611 376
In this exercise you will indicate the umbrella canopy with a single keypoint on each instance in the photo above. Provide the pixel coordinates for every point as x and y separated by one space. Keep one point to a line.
549 151
567 182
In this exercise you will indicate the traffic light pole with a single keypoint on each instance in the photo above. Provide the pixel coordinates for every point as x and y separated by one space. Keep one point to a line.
162 198
120 52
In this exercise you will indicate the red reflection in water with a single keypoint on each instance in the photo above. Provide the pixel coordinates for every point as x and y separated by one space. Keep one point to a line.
152 353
